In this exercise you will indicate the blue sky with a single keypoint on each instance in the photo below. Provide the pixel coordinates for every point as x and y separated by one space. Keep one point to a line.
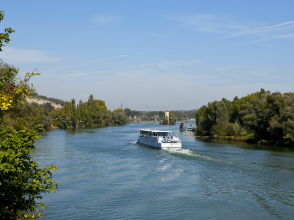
152 55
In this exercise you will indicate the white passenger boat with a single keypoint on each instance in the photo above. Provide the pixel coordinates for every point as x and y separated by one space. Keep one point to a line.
159 139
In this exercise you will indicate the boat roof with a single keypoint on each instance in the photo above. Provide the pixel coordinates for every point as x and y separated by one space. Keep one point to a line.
153 130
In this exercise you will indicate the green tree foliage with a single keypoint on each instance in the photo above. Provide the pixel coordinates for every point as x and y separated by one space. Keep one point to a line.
26 116
93 113
183 114
270 116
266 115
22 181
127 112
117 117
18 114
4 37
161 114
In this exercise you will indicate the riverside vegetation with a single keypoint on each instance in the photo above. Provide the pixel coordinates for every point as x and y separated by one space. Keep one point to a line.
22 181
262 117
93 113
160 115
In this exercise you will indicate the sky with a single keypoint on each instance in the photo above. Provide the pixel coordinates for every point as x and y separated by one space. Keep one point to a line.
153 54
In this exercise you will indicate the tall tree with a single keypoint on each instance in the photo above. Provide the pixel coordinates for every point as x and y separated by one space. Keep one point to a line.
22 181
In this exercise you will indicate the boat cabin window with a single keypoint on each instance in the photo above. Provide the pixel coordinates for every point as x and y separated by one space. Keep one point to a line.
159 133
148 133
163 134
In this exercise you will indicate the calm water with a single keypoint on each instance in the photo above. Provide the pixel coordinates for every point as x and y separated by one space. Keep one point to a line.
104 174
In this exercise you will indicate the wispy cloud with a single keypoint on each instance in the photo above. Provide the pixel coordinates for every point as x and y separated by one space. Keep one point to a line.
228 27
15 55
122 56
264 29
269 38
102 20
169 64
206 22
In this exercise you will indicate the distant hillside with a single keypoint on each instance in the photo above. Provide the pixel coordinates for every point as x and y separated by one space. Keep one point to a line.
40 101
57 101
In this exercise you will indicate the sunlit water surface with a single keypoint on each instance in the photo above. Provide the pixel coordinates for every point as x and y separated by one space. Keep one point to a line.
104 174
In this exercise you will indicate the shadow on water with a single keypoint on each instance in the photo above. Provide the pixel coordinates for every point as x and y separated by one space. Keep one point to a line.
243 145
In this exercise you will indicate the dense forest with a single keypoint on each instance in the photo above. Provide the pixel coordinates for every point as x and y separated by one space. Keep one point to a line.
263 117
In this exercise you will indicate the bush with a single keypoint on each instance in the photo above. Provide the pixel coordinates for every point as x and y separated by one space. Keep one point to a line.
218 130
231 130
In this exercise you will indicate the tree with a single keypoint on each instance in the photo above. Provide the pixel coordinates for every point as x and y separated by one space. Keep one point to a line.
22 181
120 110
127 112
161 114
222 114
4 37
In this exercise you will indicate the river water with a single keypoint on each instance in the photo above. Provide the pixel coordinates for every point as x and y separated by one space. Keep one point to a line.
104 174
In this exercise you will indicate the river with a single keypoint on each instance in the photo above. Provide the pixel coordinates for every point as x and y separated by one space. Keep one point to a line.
104 174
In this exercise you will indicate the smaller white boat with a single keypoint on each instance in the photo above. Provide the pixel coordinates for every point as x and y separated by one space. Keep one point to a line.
159 139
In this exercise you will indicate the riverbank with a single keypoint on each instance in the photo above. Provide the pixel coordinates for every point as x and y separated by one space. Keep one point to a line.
286 142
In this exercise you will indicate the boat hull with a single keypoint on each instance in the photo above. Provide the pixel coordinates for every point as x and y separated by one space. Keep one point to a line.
154 144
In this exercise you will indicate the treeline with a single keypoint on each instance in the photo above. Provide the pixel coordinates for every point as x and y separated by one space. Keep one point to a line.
183 114
159 114
57 101
150 115
132 113
263 116
92 113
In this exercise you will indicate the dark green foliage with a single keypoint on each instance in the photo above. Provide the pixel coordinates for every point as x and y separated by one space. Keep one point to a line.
117 118
48 106
93 113
183 114
25 116
217 130
64 121
221 114
127 112
265 115
161 114
22 181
